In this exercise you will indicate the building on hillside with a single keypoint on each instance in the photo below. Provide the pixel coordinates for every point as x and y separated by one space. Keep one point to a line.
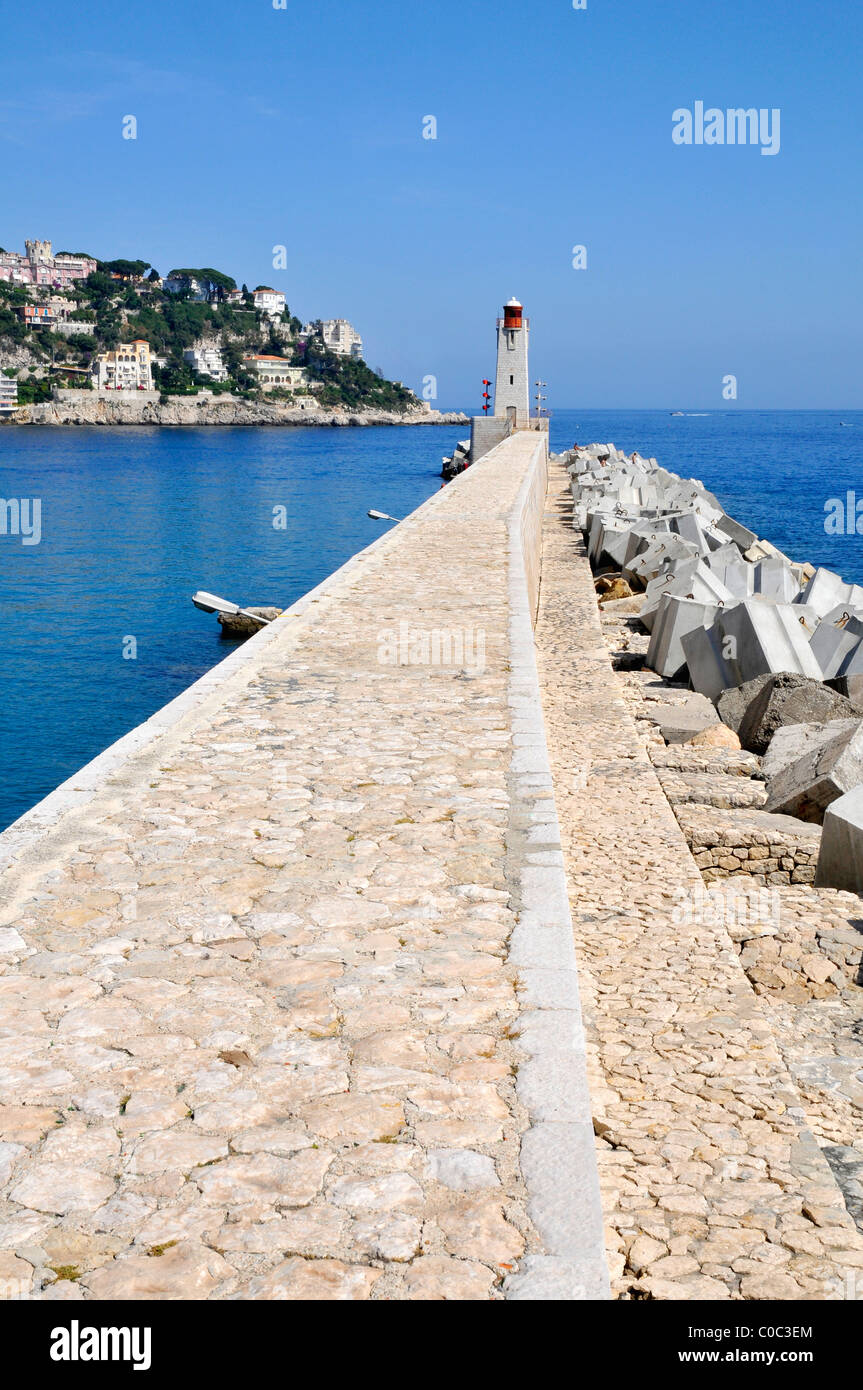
207 360
37 315
39 266
128 368
338 335
234 296
271 302
276 372
8 394
177 284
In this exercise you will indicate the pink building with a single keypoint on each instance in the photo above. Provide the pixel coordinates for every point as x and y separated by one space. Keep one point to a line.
39 266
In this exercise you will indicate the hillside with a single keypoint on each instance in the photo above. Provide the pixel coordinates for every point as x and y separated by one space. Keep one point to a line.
118 304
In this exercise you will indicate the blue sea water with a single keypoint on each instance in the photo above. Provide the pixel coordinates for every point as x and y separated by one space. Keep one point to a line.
134 520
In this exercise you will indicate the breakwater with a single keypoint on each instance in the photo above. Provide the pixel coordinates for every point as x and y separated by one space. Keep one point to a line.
290 974
291 968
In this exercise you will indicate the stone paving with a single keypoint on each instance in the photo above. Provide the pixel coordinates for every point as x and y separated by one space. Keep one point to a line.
714 1186
258 1028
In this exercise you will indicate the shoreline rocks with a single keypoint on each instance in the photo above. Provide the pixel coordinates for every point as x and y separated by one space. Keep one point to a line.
213 411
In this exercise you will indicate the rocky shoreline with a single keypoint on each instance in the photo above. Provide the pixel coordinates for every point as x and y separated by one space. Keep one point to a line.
214 410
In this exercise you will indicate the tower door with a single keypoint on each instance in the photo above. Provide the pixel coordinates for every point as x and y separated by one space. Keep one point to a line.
511 413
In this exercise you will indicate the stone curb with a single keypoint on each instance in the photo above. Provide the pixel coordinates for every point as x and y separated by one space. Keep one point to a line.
558 1157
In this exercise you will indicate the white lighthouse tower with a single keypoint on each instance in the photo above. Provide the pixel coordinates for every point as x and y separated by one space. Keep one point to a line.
512 384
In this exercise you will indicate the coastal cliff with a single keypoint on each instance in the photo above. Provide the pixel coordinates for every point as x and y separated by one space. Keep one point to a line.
91 408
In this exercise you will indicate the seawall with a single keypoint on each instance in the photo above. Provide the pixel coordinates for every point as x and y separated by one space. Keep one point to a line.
288 974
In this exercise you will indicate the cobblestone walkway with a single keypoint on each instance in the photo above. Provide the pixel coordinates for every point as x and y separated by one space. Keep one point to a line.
257 1024
713 1185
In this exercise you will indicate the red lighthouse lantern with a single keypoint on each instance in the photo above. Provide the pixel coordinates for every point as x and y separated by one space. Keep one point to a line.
512 314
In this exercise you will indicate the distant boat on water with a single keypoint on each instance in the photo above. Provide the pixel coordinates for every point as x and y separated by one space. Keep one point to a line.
676 412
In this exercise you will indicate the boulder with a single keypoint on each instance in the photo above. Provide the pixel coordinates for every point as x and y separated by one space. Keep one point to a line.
789 698
796 740
677 721
840 860
734 702
715 736
807 786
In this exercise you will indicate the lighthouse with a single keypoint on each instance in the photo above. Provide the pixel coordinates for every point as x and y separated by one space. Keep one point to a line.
512 386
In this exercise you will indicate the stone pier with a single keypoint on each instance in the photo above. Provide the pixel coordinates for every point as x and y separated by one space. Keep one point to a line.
289 1006
288 999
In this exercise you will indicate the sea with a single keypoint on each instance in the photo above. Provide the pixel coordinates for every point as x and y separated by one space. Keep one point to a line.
97 627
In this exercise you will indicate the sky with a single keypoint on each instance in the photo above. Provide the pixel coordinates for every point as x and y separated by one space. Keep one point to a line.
302 126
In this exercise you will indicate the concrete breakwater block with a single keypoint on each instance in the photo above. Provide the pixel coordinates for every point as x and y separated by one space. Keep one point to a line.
762 637
826 590
659 556
750 639
774 578
840 862
674 618
808 785
793 741
709 672
834 644
689 579
788 698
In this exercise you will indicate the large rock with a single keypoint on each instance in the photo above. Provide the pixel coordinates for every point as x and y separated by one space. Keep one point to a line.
807 786
796 740
735 701
840 861
789 698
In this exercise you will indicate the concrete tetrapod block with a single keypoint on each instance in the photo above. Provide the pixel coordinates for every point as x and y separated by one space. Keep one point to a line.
774 579
709 672
691 579
674 618
662 555
806 787
825 590
840 859
789 698
740 535
834 644
762 637
794 741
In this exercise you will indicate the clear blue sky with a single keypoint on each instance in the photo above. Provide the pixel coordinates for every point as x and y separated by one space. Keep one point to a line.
303 127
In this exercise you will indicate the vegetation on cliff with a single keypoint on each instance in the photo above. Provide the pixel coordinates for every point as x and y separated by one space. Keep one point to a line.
121 302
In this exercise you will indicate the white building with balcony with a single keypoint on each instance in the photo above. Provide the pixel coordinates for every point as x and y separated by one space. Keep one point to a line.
207 360
8 395
270 302
338 335
275 373
127 368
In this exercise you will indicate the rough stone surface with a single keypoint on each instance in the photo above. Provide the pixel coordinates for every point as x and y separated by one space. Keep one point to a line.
714 1185
789 699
